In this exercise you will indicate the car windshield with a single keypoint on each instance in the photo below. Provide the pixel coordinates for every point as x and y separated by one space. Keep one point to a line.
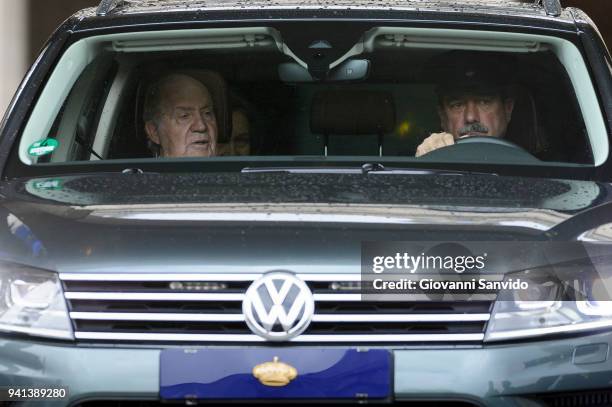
413 97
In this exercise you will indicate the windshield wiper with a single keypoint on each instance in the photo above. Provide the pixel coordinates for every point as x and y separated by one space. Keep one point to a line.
303 170
367 168
378 168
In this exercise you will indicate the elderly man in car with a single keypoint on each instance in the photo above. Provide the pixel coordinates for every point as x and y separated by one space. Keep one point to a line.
179 117
473 97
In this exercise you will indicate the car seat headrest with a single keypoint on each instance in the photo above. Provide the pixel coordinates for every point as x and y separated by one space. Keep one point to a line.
352 112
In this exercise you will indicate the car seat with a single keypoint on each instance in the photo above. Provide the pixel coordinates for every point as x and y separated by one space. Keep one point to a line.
352 113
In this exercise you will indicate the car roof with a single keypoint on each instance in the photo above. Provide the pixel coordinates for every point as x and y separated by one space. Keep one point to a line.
504 7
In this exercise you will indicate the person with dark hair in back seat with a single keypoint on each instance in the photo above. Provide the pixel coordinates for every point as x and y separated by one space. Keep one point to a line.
474 97
179 118
240 142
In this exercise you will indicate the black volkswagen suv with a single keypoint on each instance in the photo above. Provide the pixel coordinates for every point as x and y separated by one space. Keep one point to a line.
399 202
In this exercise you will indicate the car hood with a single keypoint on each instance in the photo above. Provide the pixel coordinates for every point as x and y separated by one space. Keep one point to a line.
257 222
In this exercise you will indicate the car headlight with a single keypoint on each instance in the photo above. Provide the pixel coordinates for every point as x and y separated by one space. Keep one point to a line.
31 302
552 304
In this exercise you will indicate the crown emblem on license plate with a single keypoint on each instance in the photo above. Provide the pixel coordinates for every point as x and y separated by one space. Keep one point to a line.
275 373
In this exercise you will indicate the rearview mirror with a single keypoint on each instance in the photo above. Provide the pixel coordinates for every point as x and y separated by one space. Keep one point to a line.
352 70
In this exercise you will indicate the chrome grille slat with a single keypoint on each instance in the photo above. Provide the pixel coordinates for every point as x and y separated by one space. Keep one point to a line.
157 296
301 338
186 317
136 316
110 296
143 307
196 277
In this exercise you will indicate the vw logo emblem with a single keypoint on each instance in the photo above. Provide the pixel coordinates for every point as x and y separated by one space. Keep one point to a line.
278 306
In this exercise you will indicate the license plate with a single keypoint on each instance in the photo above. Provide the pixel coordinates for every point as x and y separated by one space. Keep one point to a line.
316 374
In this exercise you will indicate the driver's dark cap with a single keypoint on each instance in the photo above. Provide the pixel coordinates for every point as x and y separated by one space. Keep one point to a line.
471 71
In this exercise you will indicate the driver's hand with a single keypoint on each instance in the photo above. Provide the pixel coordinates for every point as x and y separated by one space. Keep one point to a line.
433 142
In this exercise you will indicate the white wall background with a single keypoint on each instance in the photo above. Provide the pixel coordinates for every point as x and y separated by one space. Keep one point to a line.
13 48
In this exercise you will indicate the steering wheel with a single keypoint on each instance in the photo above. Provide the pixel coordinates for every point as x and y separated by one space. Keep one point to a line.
487 149
491 140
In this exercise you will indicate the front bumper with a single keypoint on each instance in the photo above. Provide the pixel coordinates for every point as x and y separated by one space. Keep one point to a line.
497 375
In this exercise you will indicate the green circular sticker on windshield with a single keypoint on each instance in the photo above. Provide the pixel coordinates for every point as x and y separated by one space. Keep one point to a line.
43 147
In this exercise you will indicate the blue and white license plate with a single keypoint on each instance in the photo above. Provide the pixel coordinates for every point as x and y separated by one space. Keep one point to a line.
296 373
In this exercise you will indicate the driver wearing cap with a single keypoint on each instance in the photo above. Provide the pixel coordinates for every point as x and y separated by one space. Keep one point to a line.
473 97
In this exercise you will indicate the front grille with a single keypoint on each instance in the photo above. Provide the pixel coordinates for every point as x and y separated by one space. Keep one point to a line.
208 308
